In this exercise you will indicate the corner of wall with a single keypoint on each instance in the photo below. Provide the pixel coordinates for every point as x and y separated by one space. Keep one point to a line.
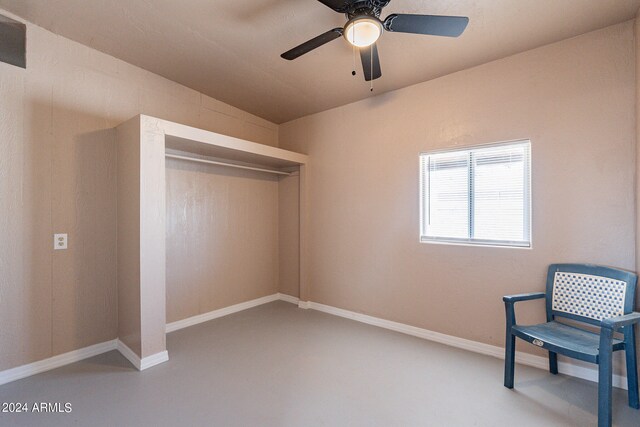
128 232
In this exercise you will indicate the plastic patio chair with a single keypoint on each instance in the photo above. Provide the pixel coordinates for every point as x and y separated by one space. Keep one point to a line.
593 295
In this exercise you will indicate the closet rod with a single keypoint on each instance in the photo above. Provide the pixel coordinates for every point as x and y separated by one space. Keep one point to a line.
231 165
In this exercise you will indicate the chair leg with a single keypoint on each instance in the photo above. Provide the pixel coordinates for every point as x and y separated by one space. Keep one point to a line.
604 378
553 362
632 367
509 360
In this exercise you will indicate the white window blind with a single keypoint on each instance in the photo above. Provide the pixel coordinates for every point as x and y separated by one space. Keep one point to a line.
477 195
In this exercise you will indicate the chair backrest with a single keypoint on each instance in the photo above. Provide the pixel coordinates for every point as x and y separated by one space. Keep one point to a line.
589 293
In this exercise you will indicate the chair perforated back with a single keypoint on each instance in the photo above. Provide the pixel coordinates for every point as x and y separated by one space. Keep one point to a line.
589 293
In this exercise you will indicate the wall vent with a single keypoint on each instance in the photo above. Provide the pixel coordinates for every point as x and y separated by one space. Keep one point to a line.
13 42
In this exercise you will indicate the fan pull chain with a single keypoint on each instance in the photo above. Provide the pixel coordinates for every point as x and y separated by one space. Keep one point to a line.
353 73
371 81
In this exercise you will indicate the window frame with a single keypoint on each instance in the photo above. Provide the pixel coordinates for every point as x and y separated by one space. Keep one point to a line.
527 193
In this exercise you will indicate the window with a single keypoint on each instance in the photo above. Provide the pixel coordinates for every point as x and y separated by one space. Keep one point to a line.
477 195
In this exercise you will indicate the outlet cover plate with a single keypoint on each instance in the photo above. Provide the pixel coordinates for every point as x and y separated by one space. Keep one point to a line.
60 241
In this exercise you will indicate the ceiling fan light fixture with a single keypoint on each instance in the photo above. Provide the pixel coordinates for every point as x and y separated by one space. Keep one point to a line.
363 31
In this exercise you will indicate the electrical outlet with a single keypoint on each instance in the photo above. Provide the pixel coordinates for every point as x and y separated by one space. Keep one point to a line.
59 241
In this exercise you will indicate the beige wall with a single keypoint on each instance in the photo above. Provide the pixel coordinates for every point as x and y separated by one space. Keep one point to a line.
575 101
222 237
58 174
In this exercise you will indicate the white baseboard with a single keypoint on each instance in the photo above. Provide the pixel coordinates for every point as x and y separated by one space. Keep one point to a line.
305 304
129 354
288 298
44 365
60 360
153 360
225 311
144 363
580 371
205 317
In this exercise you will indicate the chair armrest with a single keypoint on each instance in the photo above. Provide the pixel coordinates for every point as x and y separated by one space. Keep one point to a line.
512 299
614 323
510 306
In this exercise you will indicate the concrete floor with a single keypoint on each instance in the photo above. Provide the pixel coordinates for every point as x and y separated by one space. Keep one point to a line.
277 365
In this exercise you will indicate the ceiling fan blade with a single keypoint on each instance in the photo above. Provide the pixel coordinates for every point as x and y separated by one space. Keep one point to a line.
370 62
314 43
433 25
337 5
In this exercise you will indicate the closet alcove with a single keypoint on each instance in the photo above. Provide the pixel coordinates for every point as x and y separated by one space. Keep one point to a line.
257 198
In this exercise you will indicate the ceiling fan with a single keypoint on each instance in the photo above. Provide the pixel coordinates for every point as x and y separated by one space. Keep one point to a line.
364 27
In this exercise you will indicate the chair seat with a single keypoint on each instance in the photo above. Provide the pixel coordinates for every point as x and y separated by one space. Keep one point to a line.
564 339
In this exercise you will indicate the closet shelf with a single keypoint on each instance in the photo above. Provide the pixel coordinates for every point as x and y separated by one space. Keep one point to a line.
200 142
226 164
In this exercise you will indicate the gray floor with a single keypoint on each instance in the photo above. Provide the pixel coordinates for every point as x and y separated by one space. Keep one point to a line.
277 365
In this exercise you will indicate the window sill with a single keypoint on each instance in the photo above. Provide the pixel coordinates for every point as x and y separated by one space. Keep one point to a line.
484 244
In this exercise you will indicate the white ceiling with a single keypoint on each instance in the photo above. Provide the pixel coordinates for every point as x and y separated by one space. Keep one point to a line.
230 49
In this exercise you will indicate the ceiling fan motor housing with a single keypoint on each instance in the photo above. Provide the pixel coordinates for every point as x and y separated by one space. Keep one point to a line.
365 7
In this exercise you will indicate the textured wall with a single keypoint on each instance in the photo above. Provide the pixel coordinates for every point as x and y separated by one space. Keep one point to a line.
58 174
222 237
575 101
